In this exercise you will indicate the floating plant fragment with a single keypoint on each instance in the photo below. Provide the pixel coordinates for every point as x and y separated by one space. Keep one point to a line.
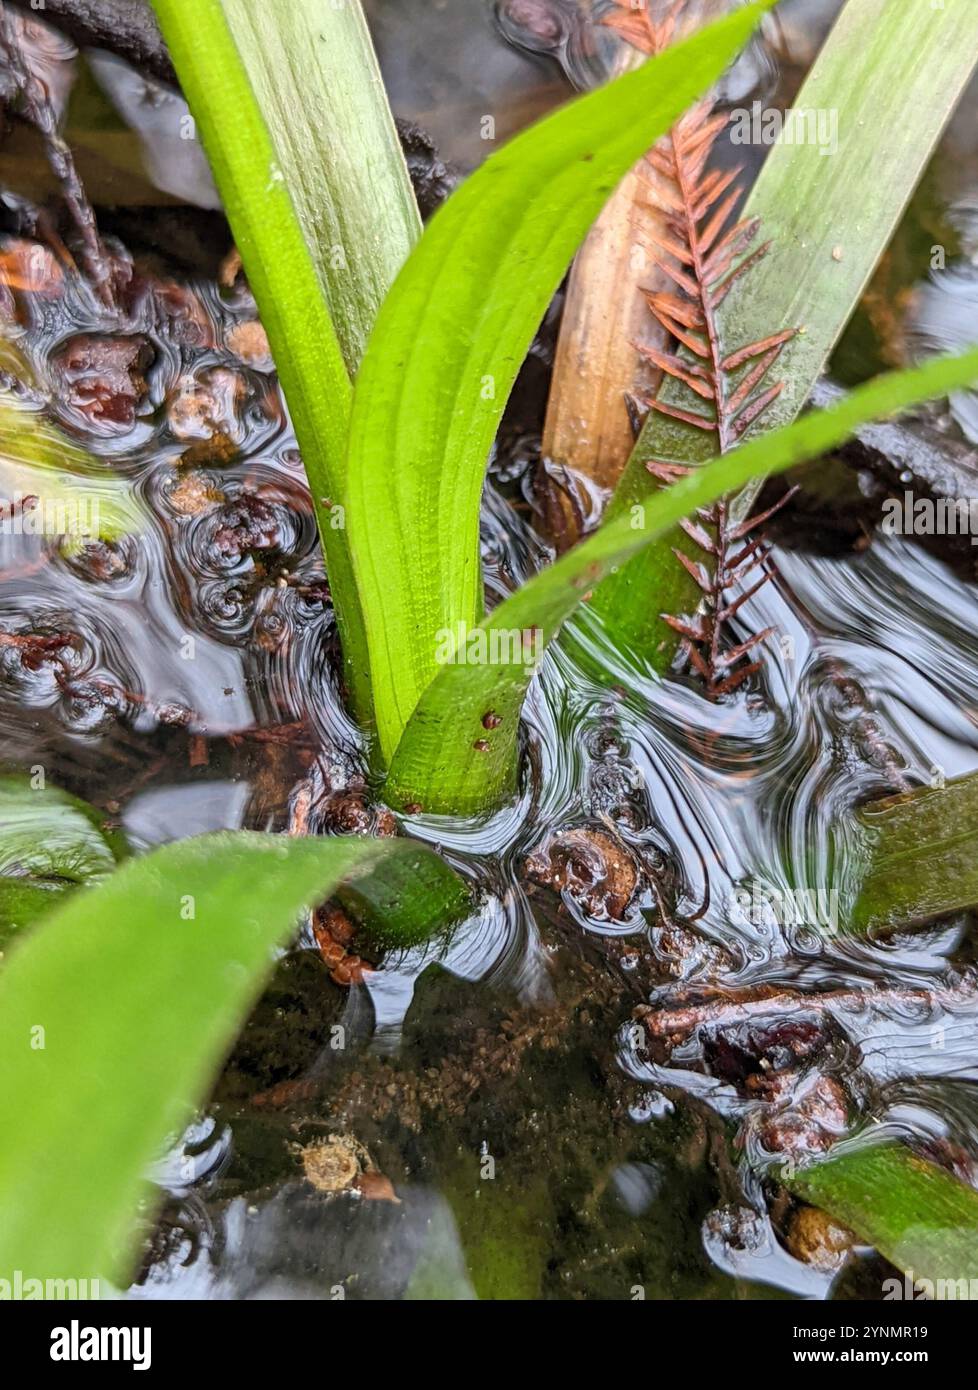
50 843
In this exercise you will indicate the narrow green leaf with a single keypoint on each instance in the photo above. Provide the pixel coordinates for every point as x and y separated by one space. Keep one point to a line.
882 88
245 150
454 755
893 73
450 339
314 73
252 154
139 986
921 854
920 1217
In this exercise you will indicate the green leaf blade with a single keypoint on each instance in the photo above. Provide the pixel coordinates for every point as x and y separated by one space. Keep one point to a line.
920 1217
342 160
450 339
252 146
447 760
921 856
140 985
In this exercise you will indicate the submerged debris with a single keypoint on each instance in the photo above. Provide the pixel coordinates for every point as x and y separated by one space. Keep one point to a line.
34 648
815 1238
685 955
230 269
678 1024
784 1050
749 1054
769 1054
249 341
333 800
38 108
350 813
596 872
342 1164
334 934
191 494
127 29
243 526
202 408
800 1117
102 561
103 378
334 1164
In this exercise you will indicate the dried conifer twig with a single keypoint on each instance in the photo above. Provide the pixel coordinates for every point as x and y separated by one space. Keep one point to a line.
704 385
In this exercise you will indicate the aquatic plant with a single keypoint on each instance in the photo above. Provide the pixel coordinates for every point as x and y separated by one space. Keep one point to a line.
395 440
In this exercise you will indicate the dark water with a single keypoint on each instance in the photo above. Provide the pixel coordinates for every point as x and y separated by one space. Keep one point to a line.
494 1081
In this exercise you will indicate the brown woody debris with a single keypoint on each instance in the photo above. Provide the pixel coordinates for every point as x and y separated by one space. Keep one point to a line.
677 1024
597 872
